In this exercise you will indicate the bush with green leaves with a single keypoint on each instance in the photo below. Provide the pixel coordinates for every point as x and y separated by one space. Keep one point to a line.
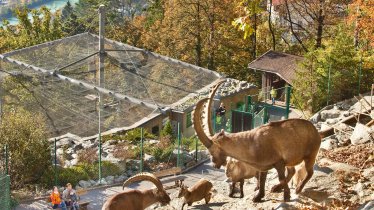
29 152
134 135
167 130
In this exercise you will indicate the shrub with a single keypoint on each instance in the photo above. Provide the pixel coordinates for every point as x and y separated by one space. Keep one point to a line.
162 154
134 135
29 153
167 130
88 155
64 175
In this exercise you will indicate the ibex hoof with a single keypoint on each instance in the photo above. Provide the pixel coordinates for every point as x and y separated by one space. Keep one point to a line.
257 188
231 195
298 190
257 198
241 196
287 198
277 188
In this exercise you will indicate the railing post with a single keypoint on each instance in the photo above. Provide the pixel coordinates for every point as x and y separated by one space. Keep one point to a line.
264 118
55 160
288 96
179 146
141 149
196 148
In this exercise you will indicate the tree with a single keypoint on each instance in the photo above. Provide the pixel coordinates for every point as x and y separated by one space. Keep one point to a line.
44 27
335 68
29 153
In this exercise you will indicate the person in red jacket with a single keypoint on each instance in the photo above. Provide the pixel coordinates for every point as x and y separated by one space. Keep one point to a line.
56 199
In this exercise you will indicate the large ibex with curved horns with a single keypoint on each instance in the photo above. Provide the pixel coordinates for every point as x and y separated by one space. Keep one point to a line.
136 199
275 145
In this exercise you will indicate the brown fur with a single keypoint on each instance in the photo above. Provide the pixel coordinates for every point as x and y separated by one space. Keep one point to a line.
136 199
201 190
276 145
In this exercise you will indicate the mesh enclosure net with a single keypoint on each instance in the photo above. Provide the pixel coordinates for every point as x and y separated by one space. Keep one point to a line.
39 78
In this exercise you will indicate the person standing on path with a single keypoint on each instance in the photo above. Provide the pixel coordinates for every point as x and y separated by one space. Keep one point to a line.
273 94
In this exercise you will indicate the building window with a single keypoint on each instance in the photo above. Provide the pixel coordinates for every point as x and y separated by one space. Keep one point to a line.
189 120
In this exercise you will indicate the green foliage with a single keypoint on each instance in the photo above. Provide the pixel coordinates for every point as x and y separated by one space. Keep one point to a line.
167 130
74 174
43 27
162 154
134 135
342 60
29 152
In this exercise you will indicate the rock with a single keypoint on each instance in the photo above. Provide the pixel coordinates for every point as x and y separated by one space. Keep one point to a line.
359 188
324 126
111 142
101 182
78 147
60 151
129 173
74 162
368 206
109 179
120 179
149 158
329 114
74 156
329 144
332 121
92 182
84 184
361 134
152 142
315 118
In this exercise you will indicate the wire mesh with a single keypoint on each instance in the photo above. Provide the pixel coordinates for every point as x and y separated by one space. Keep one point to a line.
5 191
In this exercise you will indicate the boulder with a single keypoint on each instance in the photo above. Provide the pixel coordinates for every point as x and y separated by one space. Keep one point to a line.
149 158
153 142
84 184
101 182
315 118
120 179
324 126
78 147
93 182
329 144
361 134
74 162
329 114
109 179
332 121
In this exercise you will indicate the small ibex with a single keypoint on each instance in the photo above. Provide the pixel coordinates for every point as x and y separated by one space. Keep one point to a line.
201 190
136 199
237 171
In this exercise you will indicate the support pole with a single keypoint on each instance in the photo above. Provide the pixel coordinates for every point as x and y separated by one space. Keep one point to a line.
55 160
179 146
264 118
288 96
359 76
101 74
6 160
141 149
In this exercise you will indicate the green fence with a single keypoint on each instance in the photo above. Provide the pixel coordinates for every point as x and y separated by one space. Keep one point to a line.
4 180
255 110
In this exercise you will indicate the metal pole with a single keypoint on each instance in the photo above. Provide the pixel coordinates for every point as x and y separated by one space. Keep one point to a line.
101 73
179 146
264 119
55 158
196 148
328 85
288 96
6 160
359 76
141 150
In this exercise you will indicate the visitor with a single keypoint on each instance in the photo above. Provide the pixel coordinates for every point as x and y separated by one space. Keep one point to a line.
70 197
273 94
221 112
56 199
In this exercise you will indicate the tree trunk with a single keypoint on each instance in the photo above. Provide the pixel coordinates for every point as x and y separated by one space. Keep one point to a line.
320 21
270 25
211 38
198 38
254 37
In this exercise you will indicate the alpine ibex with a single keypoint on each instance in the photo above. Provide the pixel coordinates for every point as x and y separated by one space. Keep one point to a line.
237 171
136 199
276 145
201 190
